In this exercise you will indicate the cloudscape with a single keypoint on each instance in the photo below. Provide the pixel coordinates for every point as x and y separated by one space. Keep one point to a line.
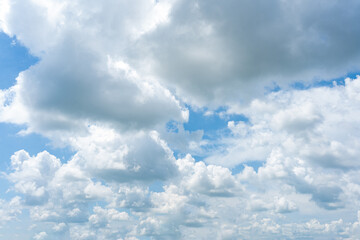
179 119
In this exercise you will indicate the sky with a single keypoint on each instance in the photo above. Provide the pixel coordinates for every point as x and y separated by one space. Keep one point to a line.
178 119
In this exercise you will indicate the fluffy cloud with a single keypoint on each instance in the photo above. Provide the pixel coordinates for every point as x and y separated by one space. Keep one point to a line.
210 180
114 157
303 123
31 175
296 136
101 216
201 200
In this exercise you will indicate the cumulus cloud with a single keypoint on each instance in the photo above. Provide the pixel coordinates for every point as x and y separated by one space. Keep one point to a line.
32 174
123 158
201 200
303 123
102 217
295 135
209 180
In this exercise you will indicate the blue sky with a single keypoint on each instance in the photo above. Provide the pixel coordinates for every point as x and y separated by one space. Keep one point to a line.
179 120
14 59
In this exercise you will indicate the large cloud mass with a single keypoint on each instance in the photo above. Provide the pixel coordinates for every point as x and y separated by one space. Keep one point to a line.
83 72
226 51
112 75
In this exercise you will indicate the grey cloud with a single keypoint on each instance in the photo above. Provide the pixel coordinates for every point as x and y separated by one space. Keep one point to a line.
328 197
333 155
134 158
218 52
83 74
74 81
325 195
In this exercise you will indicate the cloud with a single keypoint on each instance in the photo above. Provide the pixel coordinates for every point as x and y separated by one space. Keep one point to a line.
205 51
113 76
31 175
9 210
41 236
102 217
210 180
114 157
295 135
201 200
302 123
77 80
221 52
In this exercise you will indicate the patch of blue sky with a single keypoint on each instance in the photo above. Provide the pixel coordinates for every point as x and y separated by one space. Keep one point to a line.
272 88
254 164
14 58
210 121
212 124
172 126
145 237
338 81
15 231
324 83
299 85
11 142
157 186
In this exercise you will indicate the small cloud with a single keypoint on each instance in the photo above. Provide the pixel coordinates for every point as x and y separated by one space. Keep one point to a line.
41 236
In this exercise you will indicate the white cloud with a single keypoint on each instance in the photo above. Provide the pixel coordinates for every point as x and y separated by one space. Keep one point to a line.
102 217
300 176
210 180
32 174
304 123
9 210
60 227
296 135
41 236
124 157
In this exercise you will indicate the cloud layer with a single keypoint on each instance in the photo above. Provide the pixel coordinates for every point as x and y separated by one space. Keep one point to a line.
111 77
